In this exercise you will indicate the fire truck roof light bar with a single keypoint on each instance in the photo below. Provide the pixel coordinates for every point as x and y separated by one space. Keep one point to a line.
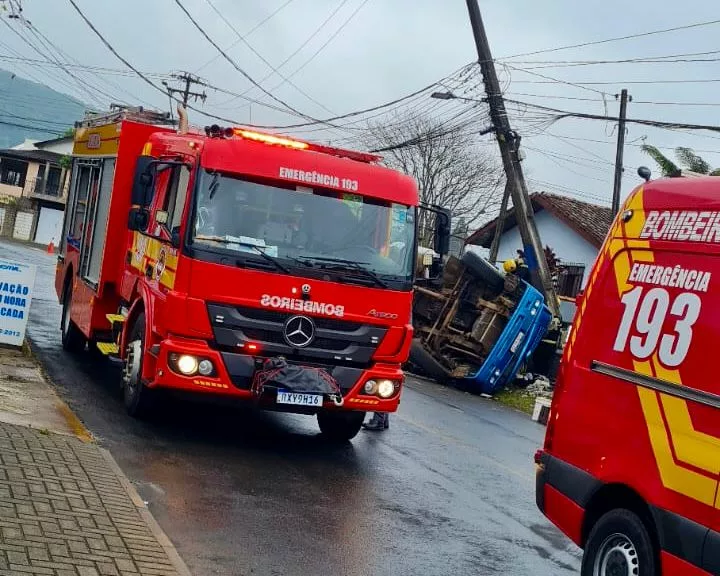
301 145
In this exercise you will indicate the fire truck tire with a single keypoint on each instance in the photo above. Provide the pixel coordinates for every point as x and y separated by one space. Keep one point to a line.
340 426
139 399
423 360
619 543
484 271
73 340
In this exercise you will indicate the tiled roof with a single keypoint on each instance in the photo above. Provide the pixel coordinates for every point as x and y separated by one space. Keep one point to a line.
590 221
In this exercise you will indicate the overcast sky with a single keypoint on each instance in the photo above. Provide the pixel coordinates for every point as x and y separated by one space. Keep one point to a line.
388 48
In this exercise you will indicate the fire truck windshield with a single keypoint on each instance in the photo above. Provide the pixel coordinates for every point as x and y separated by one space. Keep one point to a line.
305 228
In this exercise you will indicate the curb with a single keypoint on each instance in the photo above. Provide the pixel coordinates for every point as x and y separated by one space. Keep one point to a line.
75 424
147 516
83 434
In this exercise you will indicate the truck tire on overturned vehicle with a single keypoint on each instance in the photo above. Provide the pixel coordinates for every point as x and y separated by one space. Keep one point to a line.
484 271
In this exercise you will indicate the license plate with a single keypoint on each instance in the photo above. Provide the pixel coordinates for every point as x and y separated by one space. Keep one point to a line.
516 343
298 399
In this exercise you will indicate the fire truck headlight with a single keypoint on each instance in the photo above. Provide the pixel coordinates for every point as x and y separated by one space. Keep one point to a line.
205 367
187 364
370 387
385 388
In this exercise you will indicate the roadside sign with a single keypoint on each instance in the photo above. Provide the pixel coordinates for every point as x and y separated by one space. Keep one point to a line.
16 290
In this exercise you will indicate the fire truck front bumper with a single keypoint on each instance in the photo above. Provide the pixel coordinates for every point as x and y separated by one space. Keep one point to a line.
190 365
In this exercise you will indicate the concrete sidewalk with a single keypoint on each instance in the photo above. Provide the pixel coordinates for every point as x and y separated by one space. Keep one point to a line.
66 509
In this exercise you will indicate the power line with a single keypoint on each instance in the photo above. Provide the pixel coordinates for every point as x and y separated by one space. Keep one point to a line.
611 83
553 80
656 123
327 42
636 59
372 108
235 65
614 39
133 68
34 128
247 34
305 43
653 102
261 57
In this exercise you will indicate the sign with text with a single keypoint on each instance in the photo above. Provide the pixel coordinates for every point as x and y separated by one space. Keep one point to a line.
16 289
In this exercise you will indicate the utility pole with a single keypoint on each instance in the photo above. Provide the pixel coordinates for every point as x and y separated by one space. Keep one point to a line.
620 150
188 79
509 143
500 223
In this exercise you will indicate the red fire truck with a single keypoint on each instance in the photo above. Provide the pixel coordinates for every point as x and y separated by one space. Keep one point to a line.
240 264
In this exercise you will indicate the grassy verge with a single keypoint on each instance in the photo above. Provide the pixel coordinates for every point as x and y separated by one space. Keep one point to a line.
516 398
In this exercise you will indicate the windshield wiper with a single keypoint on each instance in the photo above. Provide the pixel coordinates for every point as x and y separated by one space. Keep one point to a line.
258 249
343 264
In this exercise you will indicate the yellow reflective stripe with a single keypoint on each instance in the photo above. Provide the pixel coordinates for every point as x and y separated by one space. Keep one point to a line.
674 477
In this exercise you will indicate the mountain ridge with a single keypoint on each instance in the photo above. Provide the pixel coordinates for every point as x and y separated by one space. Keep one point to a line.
29 110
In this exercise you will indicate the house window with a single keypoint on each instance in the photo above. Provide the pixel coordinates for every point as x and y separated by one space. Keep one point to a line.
569 279
12 172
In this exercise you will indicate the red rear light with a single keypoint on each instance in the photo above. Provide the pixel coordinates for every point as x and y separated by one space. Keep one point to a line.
538 456
252 347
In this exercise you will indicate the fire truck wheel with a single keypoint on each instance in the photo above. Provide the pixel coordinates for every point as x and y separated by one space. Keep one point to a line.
340 426
138 397
73 340
619 543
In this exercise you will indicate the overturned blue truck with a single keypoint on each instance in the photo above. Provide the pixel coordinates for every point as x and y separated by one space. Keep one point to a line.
475 326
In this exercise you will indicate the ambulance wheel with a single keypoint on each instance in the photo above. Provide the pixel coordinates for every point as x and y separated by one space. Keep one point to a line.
73 340
340 426
138 397
619 544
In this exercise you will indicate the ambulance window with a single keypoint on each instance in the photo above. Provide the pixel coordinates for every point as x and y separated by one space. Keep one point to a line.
175 197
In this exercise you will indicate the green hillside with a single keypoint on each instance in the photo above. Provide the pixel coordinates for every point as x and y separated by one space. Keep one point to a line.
31 110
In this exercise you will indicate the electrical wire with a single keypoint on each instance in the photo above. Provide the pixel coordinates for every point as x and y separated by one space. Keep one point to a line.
134 69
246 35
372 108
614 39
656 123
299 48
653 102
263 59
237 67
325 44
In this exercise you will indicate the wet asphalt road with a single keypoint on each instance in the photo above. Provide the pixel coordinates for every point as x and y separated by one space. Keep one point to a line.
449 489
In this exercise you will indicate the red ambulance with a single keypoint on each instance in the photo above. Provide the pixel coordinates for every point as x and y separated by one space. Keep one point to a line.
631 462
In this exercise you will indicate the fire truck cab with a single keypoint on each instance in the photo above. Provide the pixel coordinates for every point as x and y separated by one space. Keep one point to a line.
630 468
239 264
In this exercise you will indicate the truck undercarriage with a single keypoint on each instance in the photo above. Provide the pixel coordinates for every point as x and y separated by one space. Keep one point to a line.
460 317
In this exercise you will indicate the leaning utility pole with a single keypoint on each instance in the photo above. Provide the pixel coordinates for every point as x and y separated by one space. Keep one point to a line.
620 150
189 80
509 143
500 223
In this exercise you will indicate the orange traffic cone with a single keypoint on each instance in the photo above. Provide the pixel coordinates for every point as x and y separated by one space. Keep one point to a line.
51 247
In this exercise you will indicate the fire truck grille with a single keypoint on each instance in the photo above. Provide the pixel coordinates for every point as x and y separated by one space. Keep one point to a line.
323 339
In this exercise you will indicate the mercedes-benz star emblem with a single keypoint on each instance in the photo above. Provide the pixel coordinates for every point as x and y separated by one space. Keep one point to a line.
299 331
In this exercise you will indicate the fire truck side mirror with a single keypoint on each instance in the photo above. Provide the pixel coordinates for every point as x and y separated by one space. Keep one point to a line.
442 232
144 181
138 219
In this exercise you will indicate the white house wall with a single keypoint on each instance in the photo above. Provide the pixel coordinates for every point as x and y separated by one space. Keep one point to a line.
568 245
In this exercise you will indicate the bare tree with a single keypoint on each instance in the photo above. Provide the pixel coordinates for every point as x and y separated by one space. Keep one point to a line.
451 169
